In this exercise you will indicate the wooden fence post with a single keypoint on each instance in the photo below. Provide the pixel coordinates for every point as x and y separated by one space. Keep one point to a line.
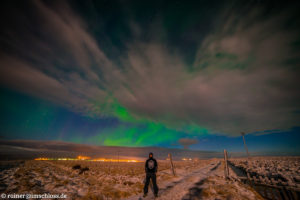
227 163
171 163
226 170
245 145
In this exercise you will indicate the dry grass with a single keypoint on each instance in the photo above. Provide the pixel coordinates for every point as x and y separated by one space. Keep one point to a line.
216 187
103 180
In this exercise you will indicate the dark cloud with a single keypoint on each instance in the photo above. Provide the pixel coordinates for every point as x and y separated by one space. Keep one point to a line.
186 142
243 78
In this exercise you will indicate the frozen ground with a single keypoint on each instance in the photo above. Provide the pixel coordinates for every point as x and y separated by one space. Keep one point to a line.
272 177
206 182
203 179
281 171
103 180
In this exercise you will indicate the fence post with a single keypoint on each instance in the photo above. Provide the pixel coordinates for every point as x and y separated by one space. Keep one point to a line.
227 163
226 170
171 163
245 145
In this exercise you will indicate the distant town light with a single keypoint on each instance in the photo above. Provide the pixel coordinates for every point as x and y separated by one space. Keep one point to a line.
86 158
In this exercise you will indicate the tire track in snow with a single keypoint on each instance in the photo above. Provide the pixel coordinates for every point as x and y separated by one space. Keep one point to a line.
177 189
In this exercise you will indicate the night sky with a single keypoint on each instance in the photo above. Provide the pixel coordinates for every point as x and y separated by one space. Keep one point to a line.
181 74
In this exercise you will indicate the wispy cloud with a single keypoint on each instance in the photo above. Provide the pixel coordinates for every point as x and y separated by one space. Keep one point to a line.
243 78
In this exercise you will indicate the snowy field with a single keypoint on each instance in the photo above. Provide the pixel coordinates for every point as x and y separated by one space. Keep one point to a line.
103 180
273 177
202 179
284 171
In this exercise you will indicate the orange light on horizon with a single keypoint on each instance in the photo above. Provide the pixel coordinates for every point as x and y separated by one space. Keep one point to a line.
86 158
41 159
113 160
185 159
83 158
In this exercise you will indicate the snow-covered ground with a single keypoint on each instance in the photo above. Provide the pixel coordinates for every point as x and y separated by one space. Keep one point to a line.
202 179
206 182
281 171
103 180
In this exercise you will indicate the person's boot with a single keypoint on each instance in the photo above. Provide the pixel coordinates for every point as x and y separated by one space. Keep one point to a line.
155 195
144 195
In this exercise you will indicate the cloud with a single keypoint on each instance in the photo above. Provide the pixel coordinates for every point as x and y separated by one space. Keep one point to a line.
243 77
240 81
186 142
55 65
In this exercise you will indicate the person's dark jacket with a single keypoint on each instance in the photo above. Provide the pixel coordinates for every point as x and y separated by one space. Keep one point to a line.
151 165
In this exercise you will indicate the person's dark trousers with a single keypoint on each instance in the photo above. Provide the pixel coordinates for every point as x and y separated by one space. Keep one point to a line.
151 176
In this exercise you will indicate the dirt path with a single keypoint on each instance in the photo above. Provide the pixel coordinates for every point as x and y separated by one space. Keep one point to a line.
177 189
215 186
205 183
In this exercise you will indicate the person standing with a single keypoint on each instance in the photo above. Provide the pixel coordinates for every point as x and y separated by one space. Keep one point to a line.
151 169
